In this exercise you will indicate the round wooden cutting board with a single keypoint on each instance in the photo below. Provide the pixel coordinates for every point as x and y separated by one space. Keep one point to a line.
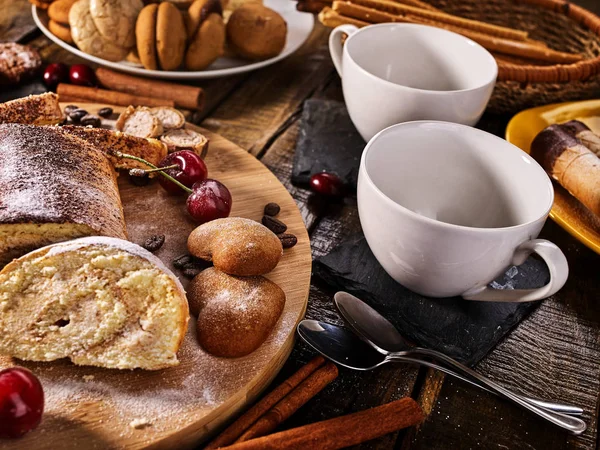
89 408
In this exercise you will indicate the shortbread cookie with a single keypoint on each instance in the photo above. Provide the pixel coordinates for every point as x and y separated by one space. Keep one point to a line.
170 118
235 314
207 45
236 246
115 19
184 139
139 122
170 36
256 32
42 109
17 62
145 32
58 11
87 37
63 32
98 301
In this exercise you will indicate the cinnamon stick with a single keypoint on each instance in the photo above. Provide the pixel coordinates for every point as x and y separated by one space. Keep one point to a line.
95 95
246 420
291 403
469 24
343 431
184 96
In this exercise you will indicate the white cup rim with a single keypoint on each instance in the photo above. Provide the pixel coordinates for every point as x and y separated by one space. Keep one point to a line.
450 226
429 28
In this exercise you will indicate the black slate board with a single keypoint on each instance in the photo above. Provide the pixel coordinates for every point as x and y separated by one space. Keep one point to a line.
464 330
327 142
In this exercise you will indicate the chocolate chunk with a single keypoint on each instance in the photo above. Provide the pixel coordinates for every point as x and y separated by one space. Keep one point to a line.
273 224
155 242
272 209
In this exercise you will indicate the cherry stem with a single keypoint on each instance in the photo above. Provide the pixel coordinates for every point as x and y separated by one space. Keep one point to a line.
155 169
160 169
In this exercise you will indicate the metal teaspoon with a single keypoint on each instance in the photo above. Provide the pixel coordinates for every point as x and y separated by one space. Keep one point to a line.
345 348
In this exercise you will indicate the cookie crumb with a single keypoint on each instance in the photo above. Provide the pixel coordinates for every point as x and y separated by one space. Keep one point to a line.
140 424
88 378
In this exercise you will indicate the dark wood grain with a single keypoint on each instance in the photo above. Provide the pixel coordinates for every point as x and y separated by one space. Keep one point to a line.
552 354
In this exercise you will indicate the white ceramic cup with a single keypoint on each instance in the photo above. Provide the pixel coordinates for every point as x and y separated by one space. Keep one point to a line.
397 72
447 208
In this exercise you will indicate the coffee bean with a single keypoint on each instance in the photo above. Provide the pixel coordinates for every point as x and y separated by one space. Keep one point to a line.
272 209
273 224
191 272
181 261
90 120
155 242
105 112
77 115
287 240
70 108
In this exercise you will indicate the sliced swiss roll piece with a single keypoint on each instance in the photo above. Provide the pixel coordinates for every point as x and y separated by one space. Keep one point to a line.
109 141
582 132
42 109
570 163
170 118
98 301
53 187
185 139
139 122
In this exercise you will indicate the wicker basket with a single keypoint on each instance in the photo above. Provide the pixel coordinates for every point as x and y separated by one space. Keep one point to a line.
563 26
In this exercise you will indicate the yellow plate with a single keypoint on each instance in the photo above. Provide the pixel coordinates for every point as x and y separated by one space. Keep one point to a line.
566 211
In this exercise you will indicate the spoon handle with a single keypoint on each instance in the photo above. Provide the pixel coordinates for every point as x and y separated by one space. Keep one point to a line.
557 407
572 424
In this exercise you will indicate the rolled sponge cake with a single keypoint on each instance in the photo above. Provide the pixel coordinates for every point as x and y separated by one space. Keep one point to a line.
53 187
98 301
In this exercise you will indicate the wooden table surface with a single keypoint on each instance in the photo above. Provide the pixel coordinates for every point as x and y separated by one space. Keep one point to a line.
554 353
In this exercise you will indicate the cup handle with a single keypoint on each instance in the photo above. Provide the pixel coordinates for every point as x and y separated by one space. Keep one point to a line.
554 259
335 44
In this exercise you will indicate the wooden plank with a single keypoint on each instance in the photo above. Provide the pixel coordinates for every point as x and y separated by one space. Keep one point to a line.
259 111
553 354
16 22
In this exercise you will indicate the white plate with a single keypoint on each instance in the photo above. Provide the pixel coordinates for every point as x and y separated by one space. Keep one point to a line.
299 25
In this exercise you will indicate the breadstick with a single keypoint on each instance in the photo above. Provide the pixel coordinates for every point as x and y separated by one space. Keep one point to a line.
570 163
417 4
482 27
582 132
330 18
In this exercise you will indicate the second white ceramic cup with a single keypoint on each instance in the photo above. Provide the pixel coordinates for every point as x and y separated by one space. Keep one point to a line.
447 208
393 73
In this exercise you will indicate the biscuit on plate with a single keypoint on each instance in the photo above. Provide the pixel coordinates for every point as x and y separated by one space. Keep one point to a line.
145 33
115 19
87 37
63 32
207 45
170 36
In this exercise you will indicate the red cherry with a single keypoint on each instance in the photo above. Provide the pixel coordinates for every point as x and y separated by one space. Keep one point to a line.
82 75
327 184
210 200
21 402
55 73
191 169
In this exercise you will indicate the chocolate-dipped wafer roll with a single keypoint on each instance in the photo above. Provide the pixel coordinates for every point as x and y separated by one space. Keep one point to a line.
570 163
582 132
